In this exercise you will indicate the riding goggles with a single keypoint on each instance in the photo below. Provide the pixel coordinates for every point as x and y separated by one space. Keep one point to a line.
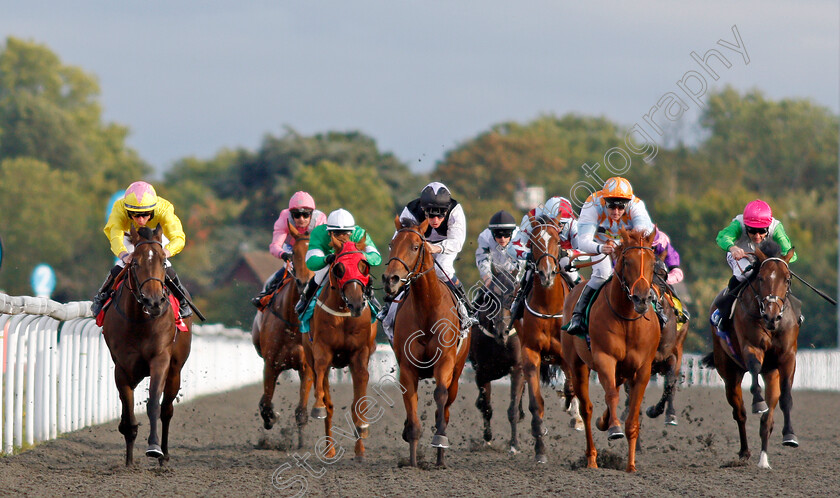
616 204
754 230
135 214
501 233
435 212
300 214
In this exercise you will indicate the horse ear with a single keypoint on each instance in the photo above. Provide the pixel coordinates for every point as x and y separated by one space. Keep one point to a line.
361 244
760 255
292 230
132 235
397 222
624 234
651 236
424 226
787 257
335 243
158 231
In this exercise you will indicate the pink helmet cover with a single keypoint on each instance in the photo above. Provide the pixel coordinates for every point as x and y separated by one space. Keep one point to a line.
301 200
758 214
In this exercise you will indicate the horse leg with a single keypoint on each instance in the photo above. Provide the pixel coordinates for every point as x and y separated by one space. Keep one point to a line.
305 374
322 360
443 385
170 391
787 366
517 386
328 408
732 376
771 384
412 429
484 406
626 401
580 379
270 373
128 423
531 367
359 373
609 420
157 369
754 366
631 424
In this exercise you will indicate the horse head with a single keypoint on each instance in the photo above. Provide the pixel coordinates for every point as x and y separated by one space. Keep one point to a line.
545 248
634 268
773 278
350 273
147 270
409 256
301 272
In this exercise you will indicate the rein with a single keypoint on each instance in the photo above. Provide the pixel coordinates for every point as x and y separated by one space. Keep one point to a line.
629 290
413 274
770 298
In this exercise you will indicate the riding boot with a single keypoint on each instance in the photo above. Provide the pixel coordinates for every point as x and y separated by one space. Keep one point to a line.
306 296
103 293
180 292
383 310
660 312
576 326
372 299
720 317
272 285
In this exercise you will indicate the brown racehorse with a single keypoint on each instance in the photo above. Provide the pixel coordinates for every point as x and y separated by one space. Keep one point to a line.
139 329
277 338
426 333
766 329
496 352
539 327
341 334
624 335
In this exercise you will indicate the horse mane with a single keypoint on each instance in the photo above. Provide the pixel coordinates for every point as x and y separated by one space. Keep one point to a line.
409 223
146 233
770 248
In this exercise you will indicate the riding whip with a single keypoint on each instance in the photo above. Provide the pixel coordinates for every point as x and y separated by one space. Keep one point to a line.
821 293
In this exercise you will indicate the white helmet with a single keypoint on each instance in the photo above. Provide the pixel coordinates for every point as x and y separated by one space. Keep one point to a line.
340 219
557 208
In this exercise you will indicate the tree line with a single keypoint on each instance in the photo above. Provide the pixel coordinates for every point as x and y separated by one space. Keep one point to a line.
60 162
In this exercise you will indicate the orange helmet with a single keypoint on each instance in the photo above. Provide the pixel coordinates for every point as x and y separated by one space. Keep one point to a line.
617 188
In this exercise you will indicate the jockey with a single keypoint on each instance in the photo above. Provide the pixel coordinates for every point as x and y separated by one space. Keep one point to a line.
496 266
602 215
446 234
321 254
560 210
740 237
141 207
667 266
303 215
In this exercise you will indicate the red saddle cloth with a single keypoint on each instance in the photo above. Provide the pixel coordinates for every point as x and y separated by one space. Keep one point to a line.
173 301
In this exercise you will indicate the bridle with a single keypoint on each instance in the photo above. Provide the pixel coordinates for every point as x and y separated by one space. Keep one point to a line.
545 253
137 292
350 281
417 270
628 290
291 270
771 299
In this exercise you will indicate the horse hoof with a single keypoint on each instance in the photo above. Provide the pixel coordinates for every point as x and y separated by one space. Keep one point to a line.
760 407
651 412
790 440
541 459
319 412
439 441
154 451
614 433
671 420
577 425
514 450
763 462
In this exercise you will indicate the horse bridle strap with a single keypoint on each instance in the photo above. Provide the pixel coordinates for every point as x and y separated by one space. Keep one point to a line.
418 265
331 311
132 271
772 298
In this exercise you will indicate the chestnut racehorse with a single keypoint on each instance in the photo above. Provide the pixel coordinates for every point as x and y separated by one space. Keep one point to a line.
496 352
624 335
427 340
539 328
277 338
139 329
341 334
766 329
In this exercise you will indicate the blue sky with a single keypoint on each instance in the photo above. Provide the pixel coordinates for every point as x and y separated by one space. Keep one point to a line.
191 77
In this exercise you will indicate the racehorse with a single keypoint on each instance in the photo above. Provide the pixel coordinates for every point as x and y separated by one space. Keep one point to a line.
427 340
668 359
764 341
277 338
341 334
539 328
141 334
623 335
496 352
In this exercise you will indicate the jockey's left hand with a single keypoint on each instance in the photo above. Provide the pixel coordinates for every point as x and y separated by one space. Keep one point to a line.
125 257
434 248
675 276
329 259
167 253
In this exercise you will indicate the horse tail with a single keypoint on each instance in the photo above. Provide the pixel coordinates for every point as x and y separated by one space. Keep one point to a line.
545 373
709 360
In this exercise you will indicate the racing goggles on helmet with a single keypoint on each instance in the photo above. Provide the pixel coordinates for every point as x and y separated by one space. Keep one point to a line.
756 230
616 203
300 213
502 232
140 214
435 212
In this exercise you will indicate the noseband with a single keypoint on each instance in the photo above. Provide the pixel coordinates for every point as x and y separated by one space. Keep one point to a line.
413 273
546 254
132 271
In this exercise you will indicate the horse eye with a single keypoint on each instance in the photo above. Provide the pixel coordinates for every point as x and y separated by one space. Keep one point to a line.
415 248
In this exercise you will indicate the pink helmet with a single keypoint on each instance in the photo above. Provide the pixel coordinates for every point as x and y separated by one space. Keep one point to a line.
757 214
301 200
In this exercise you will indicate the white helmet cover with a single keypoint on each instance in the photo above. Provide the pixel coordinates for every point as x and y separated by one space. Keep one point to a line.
340 219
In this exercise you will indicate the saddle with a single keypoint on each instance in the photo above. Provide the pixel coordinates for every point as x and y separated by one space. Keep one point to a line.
266 300
173 301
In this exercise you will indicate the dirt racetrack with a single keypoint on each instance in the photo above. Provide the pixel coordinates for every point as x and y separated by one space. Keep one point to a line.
219 448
